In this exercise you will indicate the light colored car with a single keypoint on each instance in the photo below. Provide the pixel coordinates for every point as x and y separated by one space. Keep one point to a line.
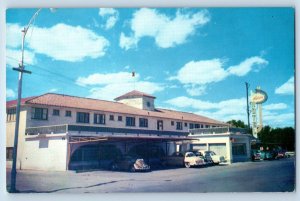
187 159
210 155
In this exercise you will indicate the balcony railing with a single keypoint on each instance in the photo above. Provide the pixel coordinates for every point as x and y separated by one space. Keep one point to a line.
56 129
78 129
218 130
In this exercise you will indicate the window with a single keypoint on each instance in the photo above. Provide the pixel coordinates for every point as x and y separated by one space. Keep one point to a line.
9 153
111 117
148 104
120 118
185 124
55 112
68 113
143 122
178 125
99 118
206 126
11 114
197 125
202 126
172 123
238 149
83 117
130 121
192 126
39 113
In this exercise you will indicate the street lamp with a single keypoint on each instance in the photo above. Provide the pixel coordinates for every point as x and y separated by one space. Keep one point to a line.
21 70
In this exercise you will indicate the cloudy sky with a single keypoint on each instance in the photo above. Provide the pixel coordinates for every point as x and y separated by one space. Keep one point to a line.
194 60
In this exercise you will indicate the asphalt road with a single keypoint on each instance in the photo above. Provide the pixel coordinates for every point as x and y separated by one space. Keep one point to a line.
262 176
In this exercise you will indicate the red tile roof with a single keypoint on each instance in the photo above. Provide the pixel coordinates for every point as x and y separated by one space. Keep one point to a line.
59 100
134 93
13 103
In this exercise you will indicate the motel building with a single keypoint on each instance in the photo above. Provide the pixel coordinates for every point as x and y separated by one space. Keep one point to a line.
61 132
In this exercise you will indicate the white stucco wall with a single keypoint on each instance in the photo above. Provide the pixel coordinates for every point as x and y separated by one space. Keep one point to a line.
45 154
62 119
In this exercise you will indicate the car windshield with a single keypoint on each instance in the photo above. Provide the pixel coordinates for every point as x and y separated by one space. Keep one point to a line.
210 152
190 154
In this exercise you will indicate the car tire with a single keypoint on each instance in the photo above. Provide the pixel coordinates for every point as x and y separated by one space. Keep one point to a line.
187 164
132 169
113 167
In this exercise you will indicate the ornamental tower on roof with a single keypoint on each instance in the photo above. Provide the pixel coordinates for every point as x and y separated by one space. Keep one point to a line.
137 99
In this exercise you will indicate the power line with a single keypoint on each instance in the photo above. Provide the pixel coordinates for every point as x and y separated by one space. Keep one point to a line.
65 78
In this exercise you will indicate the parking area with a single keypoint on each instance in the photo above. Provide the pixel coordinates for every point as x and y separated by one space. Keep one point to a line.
238 177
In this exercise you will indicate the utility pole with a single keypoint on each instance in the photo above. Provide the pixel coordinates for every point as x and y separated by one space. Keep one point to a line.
21 70
248 112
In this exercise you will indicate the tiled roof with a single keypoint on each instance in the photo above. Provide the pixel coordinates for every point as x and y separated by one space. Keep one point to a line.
13 103
134 93
59 100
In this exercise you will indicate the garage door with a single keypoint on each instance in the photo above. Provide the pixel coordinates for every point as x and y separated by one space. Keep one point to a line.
219 149
196 147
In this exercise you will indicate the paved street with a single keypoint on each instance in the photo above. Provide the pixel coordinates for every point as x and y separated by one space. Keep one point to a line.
261 176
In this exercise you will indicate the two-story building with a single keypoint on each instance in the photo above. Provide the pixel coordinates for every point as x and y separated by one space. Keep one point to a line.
61 132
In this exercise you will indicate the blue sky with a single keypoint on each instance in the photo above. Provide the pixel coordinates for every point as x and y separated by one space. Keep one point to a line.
194 60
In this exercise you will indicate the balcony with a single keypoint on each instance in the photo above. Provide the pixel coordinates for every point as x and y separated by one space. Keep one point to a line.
218 130
78 130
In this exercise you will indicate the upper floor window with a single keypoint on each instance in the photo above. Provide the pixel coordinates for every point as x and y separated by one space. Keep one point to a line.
178 125
143 122
83 117
55 112
68 113
172 123
197 125
192 126
130 121
185 124
120 118
148 104
202 126
99 118
111 117
11 114
206 126
39 113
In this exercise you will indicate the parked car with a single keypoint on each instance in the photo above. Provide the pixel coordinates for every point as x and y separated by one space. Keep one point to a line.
256 155
130 163
267 155
187 159
212 156
208 161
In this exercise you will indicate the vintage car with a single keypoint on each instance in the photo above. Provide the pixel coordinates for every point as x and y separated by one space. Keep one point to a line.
131 164
187 159
212 156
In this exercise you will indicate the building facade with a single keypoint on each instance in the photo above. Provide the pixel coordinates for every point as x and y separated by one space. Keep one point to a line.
61 132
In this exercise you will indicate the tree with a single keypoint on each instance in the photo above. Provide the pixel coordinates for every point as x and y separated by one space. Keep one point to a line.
278 137
237 123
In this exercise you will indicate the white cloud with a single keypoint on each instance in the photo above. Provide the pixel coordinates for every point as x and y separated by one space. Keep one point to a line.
109 78
202 72
196 75
111 85
13 35
14 56
111 15
127 42
287 88
62 42
233 109
195 90
10 93
275 106
247 65
280 120
167 31
53 90
111 91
